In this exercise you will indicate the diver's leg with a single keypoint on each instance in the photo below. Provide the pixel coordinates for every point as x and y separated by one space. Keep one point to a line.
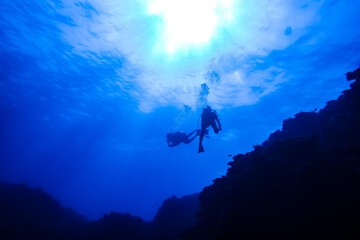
201 137
215 128
201 148
189 140
195 131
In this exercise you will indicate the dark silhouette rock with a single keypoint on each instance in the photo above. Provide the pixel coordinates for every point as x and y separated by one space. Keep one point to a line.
353 75
27 213
174 216
118 226
304 124
302 183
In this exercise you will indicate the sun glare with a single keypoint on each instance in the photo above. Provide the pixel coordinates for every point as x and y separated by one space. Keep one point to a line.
188 23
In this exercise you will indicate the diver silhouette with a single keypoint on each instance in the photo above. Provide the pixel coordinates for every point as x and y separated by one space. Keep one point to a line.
208 118
174 139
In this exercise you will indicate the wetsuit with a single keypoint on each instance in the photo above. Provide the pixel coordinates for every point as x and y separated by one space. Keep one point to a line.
208 118
174 139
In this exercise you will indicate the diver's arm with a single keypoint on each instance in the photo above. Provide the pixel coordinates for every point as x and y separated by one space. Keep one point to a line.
218 122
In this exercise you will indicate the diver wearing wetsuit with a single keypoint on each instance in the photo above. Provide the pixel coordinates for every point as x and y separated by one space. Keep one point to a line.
208 118
174 139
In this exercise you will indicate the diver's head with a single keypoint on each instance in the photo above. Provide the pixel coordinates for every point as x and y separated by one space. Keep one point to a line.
207 110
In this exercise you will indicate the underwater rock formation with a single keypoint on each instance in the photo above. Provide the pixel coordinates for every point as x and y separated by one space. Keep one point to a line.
302 183
118 226
174 216
27 213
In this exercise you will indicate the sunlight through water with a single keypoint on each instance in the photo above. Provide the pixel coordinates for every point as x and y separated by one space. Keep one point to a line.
188 23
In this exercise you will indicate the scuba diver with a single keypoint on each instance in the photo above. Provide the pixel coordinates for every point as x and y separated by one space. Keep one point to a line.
174 139
208 117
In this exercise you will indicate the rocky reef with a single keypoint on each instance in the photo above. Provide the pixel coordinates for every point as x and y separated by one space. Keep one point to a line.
302 183
28 213
174 216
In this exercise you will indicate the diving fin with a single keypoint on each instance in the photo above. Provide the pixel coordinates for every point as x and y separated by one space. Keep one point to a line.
201 148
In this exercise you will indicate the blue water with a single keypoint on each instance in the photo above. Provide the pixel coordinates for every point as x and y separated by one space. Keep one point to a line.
87 94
